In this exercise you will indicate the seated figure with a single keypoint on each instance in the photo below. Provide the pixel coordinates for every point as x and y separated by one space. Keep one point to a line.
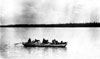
54 41
45 41
29 40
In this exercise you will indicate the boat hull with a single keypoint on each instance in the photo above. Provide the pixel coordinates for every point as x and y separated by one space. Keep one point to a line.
44 45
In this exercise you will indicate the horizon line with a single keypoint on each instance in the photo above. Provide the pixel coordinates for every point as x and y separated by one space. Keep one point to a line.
94 24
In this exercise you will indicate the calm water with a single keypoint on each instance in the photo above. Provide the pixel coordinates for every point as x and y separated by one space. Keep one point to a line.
83 43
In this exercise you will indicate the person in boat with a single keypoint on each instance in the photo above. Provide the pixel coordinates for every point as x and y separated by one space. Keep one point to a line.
37 40
29 40
54 41
63 42
45 41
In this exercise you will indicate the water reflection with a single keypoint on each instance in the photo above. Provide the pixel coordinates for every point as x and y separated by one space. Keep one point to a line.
45 49
3 51
35 52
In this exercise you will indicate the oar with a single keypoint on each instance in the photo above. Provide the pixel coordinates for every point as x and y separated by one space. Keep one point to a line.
17 43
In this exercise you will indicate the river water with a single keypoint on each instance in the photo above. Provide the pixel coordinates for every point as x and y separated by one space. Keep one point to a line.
83 43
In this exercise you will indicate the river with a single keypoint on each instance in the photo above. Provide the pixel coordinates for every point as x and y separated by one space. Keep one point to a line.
83 43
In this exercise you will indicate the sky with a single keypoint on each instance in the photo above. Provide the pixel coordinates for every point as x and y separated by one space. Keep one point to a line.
48 11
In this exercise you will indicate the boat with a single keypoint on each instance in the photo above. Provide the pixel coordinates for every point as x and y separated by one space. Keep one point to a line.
44 43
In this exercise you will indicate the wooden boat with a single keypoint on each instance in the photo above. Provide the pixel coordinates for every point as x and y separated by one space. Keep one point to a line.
45 43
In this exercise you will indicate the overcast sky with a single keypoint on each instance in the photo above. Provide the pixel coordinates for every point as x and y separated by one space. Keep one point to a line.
48 11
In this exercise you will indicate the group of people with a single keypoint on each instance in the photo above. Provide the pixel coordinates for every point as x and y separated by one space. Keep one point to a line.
44 41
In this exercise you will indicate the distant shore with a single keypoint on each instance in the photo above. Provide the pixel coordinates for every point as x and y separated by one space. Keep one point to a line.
54 25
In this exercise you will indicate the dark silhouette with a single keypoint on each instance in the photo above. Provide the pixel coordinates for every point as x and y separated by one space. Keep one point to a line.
45 43
61 41
54 41
91 24
37 40
29 40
